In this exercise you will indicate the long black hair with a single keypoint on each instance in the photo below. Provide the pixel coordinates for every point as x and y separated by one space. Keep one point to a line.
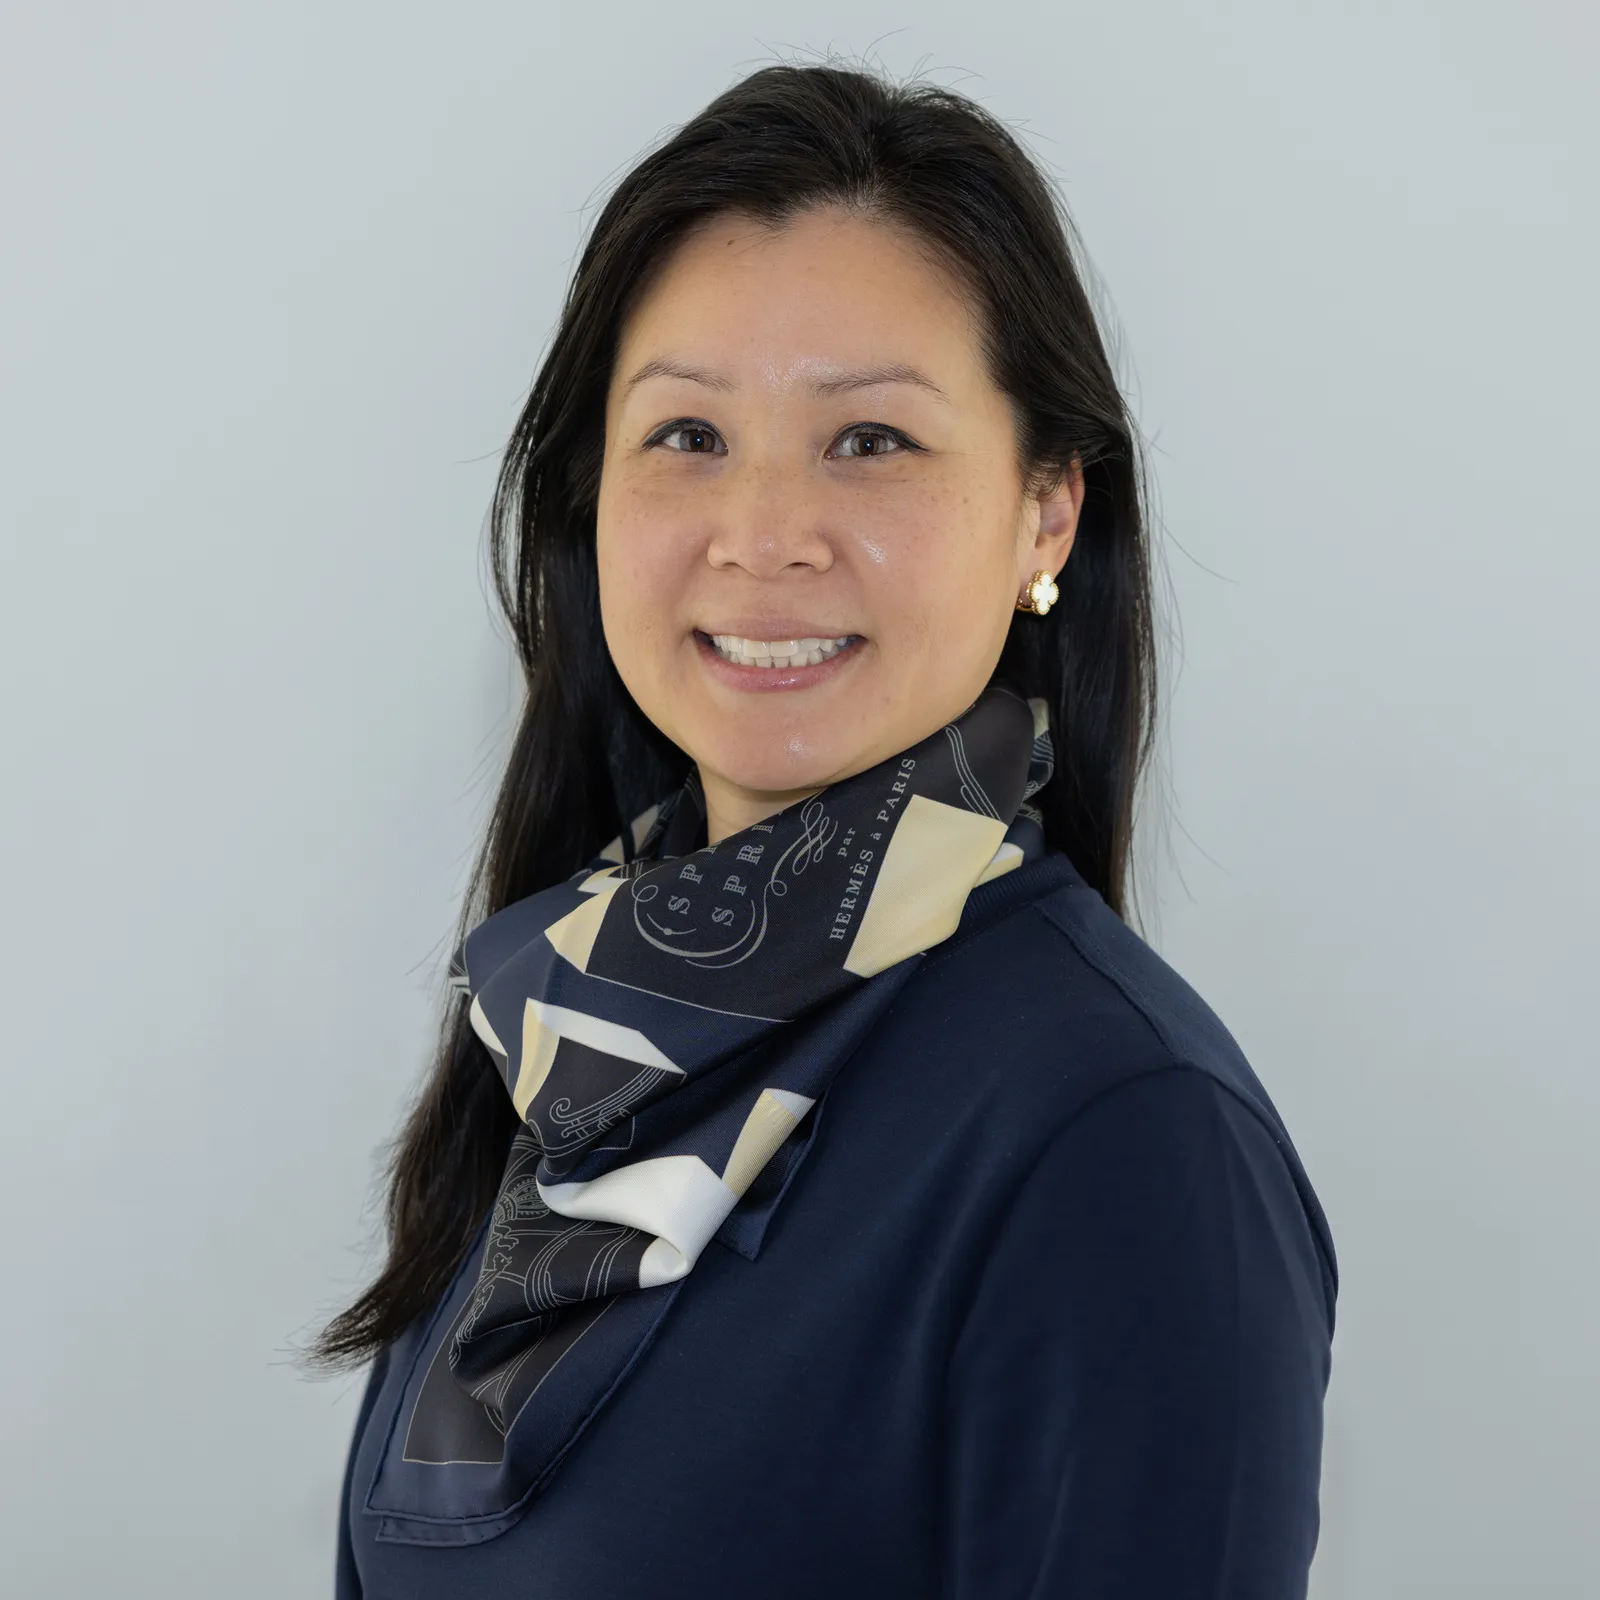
785 139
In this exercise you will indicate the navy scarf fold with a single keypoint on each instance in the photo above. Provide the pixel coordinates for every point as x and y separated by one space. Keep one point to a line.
665 1020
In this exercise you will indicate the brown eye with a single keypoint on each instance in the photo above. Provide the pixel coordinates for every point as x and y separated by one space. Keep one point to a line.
696 439
871 442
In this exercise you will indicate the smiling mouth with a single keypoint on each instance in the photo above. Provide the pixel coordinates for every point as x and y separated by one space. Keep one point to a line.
774 653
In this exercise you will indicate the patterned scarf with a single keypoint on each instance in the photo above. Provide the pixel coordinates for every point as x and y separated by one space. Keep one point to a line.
664 1021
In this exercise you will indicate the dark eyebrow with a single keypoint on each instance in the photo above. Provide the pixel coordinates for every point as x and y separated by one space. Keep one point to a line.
666 367
838 383
871 377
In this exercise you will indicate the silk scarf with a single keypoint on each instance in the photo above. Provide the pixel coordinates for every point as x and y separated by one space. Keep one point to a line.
664 1021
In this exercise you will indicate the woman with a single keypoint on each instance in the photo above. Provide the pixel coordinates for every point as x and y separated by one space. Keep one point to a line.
821 1190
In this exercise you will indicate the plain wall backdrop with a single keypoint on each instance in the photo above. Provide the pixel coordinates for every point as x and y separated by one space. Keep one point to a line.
274 280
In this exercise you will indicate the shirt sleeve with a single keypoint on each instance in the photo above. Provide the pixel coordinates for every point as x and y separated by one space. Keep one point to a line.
1135 1396
347 1577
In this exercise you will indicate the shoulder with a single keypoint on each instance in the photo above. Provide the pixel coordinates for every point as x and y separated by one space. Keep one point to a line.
1069 973
1074 1018
1073 1000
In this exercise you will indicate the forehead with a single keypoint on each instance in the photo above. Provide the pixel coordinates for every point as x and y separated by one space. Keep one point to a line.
823 287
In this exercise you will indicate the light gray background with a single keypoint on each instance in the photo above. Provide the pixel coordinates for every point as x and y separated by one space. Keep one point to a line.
274 278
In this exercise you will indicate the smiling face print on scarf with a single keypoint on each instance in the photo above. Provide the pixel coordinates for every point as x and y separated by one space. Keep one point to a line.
664 1021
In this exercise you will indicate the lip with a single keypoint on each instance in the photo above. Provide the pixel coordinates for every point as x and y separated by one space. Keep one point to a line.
772 680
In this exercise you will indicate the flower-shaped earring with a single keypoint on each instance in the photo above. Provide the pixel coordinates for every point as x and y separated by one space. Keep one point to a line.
1041 594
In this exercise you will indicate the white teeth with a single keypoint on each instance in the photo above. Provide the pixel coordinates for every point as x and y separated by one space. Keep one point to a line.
777 652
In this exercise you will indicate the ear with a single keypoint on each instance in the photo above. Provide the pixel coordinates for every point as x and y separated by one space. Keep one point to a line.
1055 525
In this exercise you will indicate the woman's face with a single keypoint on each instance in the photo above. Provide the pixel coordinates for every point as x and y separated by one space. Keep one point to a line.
803 444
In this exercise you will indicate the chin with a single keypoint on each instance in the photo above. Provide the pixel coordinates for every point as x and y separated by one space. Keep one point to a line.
780 765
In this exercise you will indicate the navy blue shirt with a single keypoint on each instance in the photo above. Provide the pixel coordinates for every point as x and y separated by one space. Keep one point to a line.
1046 1311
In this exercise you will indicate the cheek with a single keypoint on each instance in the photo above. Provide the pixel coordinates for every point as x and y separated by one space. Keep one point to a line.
639 552
941 556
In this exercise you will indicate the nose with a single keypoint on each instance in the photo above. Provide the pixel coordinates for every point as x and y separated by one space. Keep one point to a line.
767 516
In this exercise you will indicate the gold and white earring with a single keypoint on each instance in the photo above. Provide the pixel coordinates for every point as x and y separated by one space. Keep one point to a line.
1041 593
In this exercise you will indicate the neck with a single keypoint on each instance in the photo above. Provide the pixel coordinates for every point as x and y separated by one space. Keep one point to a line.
730 808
